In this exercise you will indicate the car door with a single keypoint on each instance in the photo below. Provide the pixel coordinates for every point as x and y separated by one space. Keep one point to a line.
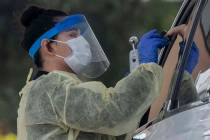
190 121
169 57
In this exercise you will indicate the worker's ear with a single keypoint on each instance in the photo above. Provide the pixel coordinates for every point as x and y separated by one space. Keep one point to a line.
47 47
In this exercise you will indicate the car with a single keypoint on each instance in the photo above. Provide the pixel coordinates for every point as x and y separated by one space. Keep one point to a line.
167 120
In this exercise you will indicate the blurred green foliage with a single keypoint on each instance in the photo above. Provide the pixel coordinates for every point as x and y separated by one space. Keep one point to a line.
113 22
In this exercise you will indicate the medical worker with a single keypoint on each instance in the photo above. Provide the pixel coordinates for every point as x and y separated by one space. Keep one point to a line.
57 105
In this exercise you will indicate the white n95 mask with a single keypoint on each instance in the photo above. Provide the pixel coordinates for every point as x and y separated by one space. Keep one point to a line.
80 56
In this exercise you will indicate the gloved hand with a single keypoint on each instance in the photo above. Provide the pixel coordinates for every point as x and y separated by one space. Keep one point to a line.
149 45
193 57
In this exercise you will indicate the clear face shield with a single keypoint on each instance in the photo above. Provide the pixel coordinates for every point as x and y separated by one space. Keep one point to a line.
96 61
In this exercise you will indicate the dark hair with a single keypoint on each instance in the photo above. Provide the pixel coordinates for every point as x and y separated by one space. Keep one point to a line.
37 21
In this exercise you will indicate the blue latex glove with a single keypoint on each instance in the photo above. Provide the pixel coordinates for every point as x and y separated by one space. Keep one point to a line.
149 45
193 57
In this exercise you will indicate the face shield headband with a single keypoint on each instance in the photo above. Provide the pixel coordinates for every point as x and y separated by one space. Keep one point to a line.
68 23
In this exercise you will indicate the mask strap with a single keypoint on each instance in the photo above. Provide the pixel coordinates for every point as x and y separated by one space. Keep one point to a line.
59 56
58 41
